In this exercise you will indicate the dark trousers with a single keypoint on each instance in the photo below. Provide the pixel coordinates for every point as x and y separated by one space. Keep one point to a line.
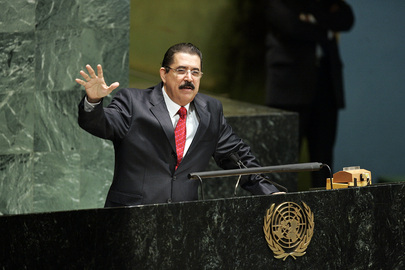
318 124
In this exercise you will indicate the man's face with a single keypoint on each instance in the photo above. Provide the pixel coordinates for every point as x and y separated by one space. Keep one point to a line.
182 88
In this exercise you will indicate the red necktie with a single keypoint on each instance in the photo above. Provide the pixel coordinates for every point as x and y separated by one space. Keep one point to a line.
180 134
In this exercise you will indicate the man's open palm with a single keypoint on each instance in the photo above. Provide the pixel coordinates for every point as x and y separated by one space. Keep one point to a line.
95 86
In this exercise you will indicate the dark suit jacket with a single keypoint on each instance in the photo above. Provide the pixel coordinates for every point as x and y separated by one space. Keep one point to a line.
138 124
292 63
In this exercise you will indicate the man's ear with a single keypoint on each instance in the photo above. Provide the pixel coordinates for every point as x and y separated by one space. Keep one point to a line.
163 73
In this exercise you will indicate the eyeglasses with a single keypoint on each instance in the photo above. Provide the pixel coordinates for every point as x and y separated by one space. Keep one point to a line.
182 71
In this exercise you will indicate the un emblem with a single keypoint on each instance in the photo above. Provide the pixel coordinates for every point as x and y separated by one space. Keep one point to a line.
288 229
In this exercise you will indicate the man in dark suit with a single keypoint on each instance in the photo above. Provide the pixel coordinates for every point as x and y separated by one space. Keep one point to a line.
304 69
152 162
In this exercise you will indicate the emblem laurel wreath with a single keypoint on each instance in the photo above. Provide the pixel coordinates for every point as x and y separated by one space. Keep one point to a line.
279 252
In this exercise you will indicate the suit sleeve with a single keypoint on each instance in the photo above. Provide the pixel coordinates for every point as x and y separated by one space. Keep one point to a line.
110 123
228 143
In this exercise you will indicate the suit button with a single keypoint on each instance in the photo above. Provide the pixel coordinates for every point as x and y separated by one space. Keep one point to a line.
169 200
174 178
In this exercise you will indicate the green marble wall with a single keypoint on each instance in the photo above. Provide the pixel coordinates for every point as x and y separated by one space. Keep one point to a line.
47 163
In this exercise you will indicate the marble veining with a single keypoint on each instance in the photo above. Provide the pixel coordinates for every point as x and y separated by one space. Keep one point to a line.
16 16
16 184
17 65
48 163
57 188
16 123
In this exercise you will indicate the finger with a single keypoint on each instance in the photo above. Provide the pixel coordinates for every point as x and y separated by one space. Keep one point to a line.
99 71
91 71
113 86
84 75
80 82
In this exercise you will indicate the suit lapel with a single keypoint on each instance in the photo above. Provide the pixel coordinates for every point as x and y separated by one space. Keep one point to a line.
159 110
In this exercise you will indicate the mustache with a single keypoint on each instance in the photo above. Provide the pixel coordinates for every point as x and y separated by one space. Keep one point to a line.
187 84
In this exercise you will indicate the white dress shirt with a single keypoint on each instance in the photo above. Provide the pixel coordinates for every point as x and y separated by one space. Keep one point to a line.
191 122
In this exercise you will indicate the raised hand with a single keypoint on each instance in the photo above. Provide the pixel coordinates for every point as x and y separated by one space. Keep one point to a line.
95 86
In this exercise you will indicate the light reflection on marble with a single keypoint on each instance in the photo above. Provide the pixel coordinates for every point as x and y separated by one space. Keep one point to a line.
16 123
113 56
16 184
17 62
96 171
61 14
16 16
56 126
56 181
43 46
97 14
57 59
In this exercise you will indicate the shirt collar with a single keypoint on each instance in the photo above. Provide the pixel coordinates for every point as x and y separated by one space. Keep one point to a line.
172 107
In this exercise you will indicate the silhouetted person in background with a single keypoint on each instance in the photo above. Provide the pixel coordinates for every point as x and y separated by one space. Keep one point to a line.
304 69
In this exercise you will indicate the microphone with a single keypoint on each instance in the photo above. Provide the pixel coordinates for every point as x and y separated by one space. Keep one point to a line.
235 158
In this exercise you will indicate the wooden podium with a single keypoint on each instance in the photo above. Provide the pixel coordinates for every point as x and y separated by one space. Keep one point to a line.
353 228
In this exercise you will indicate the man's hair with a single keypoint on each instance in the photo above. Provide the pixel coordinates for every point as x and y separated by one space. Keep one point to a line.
180 48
